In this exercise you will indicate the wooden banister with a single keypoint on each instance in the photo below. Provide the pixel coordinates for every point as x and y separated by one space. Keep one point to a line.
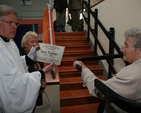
46 39
97 3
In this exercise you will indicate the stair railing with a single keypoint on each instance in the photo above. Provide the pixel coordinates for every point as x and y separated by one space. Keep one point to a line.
49 4
110 35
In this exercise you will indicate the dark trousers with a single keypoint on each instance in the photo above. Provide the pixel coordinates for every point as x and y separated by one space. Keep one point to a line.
75 15
60 19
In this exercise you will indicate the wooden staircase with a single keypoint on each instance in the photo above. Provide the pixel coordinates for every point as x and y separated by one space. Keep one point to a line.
74 98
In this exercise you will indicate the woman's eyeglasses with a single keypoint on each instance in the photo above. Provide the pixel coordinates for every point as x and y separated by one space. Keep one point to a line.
10 22
34 41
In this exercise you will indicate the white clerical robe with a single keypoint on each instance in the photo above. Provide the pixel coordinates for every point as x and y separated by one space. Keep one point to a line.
18 88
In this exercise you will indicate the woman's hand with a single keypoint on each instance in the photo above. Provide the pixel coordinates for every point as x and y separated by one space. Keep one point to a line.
37 47
79 63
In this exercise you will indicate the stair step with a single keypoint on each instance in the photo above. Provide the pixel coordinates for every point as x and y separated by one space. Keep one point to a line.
76 47
77 54
69 62
76 73
72 72
73 83
71 68
77 97
70 52
65 39
69 37
85 108
72 42
69 34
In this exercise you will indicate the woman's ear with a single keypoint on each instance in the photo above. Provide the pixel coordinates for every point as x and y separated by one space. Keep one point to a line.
140 53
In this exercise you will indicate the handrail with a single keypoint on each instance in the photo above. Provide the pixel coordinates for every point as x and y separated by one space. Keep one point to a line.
46 39
102 57
53 72
101 25
97 3
49 16
110 35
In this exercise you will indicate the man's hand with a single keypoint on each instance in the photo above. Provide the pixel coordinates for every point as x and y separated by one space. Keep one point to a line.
48 67
43 83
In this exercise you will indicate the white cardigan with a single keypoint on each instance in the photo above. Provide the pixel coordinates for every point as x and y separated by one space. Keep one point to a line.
127 83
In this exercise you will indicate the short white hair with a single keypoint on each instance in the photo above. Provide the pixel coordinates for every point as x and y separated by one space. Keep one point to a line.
25 37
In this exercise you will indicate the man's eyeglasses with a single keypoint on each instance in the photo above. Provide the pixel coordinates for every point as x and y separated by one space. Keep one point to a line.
10 22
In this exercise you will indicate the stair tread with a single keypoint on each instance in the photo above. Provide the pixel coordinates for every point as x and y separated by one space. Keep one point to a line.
74 57
65 43
75 93
71 60
78 51
79 45
77 97
74 83
71 68
72 80
71 33
85 108
71 39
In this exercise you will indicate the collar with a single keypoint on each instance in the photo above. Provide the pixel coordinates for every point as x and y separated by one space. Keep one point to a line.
4 39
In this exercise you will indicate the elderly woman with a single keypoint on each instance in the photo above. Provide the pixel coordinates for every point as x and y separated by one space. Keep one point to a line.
29 40
128 78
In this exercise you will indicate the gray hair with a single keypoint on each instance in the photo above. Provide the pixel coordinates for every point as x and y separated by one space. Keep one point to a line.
134 33
6 10
25 37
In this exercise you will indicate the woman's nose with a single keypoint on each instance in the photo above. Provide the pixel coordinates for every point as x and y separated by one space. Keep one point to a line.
122 49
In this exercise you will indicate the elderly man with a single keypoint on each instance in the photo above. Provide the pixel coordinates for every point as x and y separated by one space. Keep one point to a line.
19 88
127 82
75 8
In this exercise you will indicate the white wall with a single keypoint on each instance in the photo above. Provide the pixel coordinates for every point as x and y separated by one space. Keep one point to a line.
120 14
53 92
34 11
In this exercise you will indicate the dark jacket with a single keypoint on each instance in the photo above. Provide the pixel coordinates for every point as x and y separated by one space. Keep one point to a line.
31 69
60 4
75 4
